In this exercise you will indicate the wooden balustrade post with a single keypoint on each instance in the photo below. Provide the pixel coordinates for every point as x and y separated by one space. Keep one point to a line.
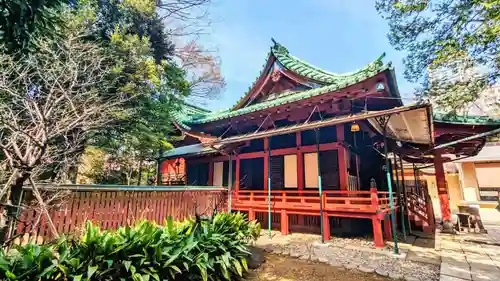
284 222
374 197
378 240
251 214
284 216
326 226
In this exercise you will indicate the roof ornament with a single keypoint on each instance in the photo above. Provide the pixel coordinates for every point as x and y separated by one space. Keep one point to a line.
277 47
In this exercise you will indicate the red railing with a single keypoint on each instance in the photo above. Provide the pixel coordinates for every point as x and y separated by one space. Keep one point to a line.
333 200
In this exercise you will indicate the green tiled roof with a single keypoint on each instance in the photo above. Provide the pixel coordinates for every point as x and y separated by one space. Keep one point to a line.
187 112
329 82
467 120
305 69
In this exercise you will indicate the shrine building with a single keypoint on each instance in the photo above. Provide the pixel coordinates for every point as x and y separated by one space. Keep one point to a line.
305 149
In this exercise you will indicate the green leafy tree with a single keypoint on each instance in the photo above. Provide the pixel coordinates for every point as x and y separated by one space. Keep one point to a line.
134 32
66 87
23 20
446 36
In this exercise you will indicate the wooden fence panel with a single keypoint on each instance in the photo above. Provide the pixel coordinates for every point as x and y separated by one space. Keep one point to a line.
112 209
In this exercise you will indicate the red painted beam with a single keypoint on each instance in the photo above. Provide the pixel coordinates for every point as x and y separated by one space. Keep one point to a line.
251 155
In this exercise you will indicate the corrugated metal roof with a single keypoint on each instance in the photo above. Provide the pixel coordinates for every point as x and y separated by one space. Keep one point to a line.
189 150
490 152
420 133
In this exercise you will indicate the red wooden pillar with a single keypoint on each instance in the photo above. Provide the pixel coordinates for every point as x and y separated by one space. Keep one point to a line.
251 214
378 240
266 168
185 172
342 152
387 229
444 200
210 173
237 176
300 172
326 226
300 163
284 222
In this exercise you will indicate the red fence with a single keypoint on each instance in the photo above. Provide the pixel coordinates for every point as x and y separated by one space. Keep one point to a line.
119 207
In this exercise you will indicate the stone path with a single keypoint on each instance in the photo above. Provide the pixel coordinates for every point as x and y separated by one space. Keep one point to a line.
351 254
470 256
444 257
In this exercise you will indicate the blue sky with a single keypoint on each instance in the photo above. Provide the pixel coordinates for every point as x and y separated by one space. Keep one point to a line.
336 35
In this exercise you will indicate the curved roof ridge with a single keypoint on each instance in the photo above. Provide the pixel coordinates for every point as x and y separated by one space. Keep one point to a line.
253 83
306 69
214 116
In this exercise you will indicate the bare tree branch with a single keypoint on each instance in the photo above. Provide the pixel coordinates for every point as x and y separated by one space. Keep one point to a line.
51 101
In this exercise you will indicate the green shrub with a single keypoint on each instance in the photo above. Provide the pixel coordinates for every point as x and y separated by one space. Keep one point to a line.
212 249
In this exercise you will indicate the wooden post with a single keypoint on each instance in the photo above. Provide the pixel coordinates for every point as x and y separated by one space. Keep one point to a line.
300 172
378 240
210 173
387 229
267 166
158 172
284 216
342 154
251 214
230 184
237 176
284 222
266 162
444 200
300 163
374 198
326 226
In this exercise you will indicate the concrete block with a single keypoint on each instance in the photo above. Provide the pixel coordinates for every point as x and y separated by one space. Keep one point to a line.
456 270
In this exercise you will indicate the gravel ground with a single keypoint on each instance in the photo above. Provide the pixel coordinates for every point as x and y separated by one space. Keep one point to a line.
282 268
348 253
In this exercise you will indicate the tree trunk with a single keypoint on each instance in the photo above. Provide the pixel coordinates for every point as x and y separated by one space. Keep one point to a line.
128 176
15 198
139 176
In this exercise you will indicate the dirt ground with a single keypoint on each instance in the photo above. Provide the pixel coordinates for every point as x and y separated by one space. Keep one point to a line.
281 268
